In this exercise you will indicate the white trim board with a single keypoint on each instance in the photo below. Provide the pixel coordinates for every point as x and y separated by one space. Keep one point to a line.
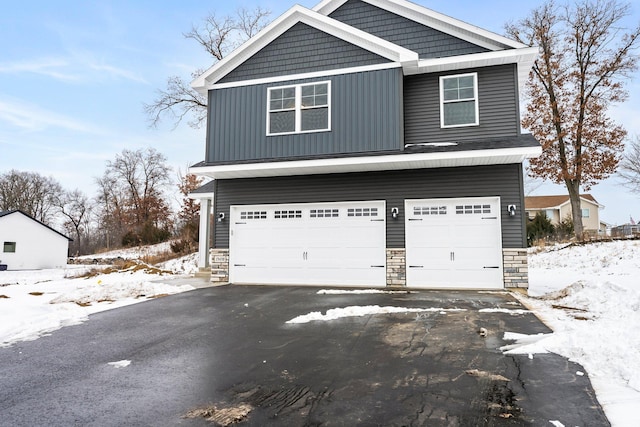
370 163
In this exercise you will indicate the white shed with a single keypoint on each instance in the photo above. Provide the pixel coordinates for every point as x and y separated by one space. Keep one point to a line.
28 244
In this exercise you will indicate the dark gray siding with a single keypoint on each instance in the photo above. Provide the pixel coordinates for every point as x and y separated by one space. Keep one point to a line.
366 115
497 97
428 42
302 49
393 186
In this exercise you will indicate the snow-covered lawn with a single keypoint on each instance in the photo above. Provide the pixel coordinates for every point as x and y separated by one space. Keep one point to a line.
589 295
35 303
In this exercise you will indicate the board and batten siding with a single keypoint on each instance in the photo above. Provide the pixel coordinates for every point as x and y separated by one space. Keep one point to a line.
394 187
426 41
366 116
302 49
498 107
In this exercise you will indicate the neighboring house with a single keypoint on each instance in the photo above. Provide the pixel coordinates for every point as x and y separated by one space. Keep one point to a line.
626 230
368 143
558 208
28 244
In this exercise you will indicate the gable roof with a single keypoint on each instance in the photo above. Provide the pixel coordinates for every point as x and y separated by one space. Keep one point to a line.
7 213
502 50
549 202
433 19
323 23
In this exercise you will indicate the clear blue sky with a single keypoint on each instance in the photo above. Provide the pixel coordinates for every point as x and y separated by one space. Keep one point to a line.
75 73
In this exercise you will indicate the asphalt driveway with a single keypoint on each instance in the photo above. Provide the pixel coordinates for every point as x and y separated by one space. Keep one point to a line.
229 348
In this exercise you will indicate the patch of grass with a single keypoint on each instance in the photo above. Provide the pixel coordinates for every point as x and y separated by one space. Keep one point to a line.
36 294
83 304
159 257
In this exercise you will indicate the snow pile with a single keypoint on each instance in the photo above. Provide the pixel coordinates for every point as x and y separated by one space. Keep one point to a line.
355 311
185 265
590 296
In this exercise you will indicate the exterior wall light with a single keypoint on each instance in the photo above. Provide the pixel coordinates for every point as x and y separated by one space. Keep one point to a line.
394 213
221 217
512 210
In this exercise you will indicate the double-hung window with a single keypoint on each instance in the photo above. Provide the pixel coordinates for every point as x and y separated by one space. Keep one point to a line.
459 100
299 108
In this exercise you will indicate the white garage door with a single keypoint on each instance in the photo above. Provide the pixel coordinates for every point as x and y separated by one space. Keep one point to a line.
309 244
454 243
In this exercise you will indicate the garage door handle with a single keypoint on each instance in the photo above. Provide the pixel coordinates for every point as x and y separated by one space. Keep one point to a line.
377 266
378 220
416 266
490 217
491 267
239 265
240 223
415 219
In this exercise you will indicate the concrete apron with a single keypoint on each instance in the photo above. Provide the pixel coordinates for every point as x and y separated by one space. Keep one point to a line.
431 368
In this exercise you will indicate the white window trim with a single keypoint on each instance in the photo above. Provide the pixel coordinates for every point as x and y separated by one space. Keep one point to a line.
475 98
587 210
298 108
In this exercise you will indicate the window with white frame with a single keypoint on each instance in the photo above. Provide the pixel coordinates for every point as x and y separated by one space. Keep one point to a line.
585 212
299 108
459 100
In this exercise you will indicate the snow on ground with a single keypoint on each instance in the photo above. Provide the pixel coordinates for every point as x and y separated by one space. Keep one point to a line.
590 296
137 252
35 303
359 310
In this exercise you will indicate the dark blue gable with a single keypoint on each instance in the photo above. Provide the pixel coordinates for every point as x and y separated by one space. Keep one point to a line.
302 49
427 42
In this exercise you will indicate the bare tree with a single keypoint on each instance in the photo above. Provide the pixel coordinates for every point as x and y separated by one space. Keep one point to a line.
32 193
217 36
75 207
584 60
630 166
132 196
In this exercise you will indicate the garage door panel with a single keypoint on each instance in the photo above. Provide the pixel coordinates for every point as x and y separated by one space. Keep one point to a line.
456 241
328 243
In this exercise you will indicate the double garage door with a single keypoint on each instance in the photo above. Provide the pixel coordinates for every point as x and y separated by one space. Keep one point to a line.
450 243
309 244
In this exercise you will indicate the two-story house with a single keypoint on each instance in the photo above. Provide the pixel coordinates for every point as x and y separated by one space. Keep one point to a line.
368 143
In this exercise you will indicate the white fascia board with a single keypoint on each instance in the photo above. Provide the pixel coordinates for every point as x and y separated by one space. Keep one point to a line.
293 16
523 57
312 75
200 196
370 163
433 19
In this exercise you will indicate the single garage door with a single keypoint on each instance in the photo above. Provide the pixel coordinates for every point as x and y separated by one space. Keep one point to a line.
454 243
309 244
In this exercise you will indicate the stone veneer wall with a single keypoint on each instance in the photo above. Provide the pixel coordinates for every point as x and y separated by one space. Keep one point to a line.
516 270
219 260
396 267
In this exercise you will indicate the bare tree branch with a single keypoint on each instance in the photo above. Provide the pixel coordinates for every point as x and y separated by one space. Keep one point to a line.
218 36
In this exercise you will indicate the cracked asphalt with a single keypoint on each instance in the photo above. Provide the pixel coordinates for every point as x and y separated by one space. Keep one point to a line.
229 351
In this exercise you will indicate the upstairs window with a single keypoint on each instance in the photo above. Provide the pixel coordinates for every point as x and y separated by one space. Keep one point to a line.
9 247
299 108
585 213
459 100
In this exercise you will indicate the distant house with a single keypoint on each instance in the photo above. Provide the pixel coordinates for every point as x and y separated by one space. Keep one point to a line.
28 244
558 208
